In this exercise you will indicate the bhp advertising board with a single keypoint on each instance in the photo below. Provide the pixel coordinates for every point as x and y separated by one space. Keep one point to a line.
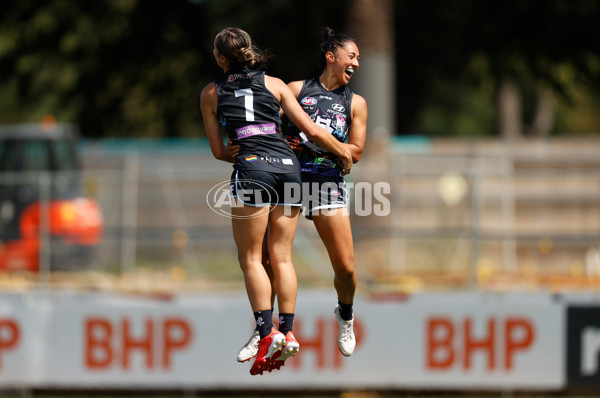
461 340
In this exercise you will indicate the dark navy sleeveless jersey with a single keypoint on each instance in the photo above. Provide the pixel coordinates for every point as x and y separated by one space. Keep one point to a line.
329 109
250 114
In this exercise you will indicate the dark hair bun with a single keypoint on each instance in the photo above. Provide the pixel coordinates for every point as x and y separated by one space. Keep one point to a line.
328 32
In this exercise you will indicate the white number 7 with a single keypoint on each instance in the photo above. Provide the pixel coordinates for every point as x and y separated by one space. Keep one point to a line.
248 102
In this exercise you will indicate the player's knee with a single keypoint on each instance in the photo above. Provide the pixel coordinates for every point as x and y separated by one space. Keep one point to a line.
345 273
250 265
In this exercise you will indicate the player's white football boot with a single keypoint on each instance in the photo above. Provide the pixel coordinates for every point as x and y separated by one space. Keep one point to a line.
346 340
249 350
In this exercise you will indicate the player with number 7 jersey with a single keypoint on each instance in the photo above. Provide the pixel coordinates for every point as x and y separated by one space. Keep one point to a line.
250 114
246 103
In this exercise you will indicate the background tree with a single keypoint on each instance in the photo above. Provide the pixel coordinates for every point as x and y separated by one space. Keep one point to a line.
470 67
133 68
371 22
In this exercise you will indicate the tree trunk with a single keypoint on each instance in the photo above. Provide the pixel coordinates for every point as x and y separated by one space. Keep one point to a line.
371 23
544 113
509 110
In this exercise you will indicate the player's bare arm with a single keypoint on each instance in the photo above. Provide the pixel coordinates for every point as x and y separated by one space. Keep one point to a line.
358 127
315 133
208 106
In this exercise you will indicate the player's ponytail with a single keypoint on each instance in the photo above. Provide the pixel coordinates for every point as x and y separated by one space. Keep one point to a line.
332 41
236 45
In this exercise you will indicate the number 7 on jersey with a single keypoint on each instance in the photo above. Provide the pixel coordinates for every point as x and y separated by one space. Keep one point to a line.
248 102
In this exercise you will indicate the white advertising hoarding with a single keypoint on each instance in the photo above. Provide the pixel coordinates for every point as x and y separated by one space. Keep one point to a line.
429 341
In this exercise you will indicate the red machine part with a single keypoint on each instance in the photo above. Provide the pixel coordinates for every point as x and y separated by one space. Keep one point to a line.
75 222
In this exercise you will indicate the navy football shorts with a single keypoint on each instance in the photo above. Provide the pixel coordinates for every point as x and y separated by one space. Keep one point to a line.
322 193
262 188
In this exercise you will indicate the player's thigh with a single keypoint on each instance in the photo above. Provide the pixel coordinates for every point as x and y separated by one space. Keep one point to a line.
335 231
283 222
249 230
250 212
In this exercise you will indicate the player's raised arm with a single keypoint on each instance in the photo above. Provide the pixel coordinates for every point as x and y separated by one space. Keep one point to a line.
315 133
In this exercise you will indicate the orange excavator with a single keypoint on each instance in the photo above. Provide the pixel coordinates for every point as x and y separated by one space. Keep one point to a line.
45 219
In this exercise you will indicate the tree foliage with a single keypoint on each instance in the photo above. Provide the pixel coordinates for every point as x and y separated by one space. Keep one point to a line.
453 46
130 68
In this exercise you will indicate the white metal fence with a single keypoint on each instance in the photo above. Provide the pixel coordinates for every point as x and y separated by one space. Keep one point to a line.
460 215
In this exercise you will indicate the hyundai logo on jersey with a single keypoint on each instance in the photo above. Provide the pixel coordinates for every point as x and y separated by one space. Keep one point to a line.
338 107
